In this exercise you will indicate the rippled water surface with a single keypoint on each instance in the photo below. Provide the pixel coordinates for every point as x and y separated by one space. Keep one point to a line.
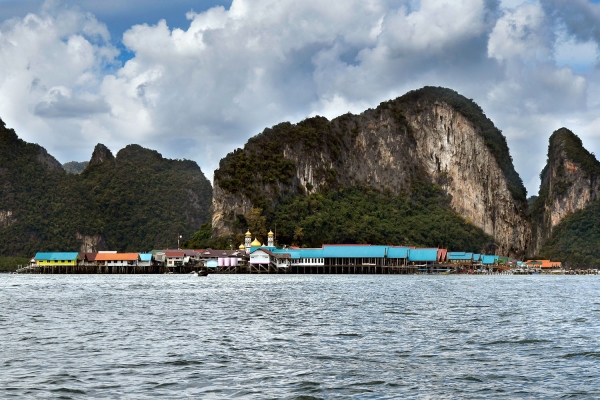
295 336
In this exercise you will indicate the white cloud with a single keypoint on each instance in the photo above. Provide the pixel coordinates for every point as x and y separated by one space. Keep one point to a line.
200 92
521 32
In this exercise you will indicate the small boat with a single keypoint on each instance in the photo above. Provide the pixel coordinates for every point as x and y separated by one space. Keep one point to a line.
202 273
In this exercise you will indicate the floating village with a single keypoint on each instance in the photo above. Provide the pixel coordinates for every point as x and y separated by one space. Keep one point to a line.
253 257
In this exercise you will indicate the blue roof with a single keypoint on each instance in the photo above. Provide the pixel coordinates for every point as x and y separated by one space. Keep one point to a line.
57 256
358 251
310 253
488 260
397 252
270 248
422 254
456 255
145 257
476 257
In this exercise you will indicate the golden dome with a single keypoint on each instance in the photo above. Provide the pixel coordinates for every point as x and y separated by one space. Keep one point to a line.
248 234
256 243
241 247
271 233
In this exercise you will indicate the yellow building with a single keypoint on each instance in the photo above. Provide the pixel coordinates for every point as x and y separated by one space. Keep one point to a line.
56 259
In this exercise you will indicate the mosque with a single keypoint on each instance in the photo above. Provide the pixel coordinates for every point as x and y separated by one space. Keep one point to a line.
249 244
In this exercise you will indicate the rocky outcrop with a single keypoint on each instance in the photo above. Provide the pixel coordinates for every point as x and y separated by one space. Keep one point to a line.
418 137
101 153
49 162
91 243
6 218
569 182
75 167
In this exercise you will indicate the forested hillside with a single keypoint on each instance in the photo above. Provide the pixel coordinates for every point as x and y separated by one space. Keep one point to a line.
576 239
134 202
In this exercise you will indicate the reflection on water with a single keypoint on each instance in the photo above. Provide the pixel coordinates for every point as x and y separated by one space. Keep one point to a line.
327 336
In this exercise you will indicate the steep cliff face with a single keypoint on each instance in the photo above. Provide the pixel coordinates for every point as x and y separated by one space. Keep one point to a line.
569 182
433 135
455 156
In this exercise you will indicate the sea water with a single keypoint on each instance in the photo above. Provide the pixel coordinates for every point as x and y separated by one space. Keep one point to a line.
299 336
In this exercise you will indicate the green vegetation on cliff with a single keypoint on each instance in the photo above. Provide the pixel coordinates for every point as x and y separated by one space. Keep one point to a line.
576 239
134 202
204 239
365 215
262 161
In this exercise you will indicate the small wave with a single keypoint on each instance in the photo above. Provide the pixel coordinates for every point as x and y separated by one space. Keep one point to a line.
585 354
369 383
523 341
68 390
166 384
472 379
179 363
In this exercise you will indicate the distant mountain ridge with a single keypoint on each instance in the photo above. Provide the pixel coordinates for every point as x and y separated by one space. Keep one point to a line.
75 167
135 201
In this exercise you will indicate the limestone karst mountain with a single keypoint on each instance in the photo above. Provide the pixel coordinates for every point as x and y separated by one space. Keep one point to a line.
566 214
430 164
134 201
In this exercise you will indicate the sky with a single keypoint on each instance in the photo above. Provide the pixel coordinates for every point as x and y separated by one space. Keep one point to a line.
196 79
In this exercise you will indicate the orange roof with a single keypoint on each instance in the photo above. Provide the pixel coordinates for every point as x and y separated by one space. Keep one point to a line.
117 257
547 263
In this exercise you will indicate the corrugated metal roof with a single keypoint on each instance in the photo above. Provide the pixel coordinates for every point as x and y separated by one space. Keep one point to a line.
175 254
117 257
397 252
419 255
145 257
442 254
310 253
210 253
488 260
358 251
43 256
460 256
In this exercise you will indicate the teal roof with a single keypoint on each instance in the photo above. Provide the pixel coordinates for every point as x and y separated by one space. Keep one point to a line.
489 260
456 255
270 248
476 257
354 251
397 252
310 253
56 256
145 257
420 255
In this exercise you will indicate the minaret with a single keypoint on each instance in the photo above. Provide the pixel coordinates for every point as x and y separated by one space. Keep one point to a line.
248 242
271 240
